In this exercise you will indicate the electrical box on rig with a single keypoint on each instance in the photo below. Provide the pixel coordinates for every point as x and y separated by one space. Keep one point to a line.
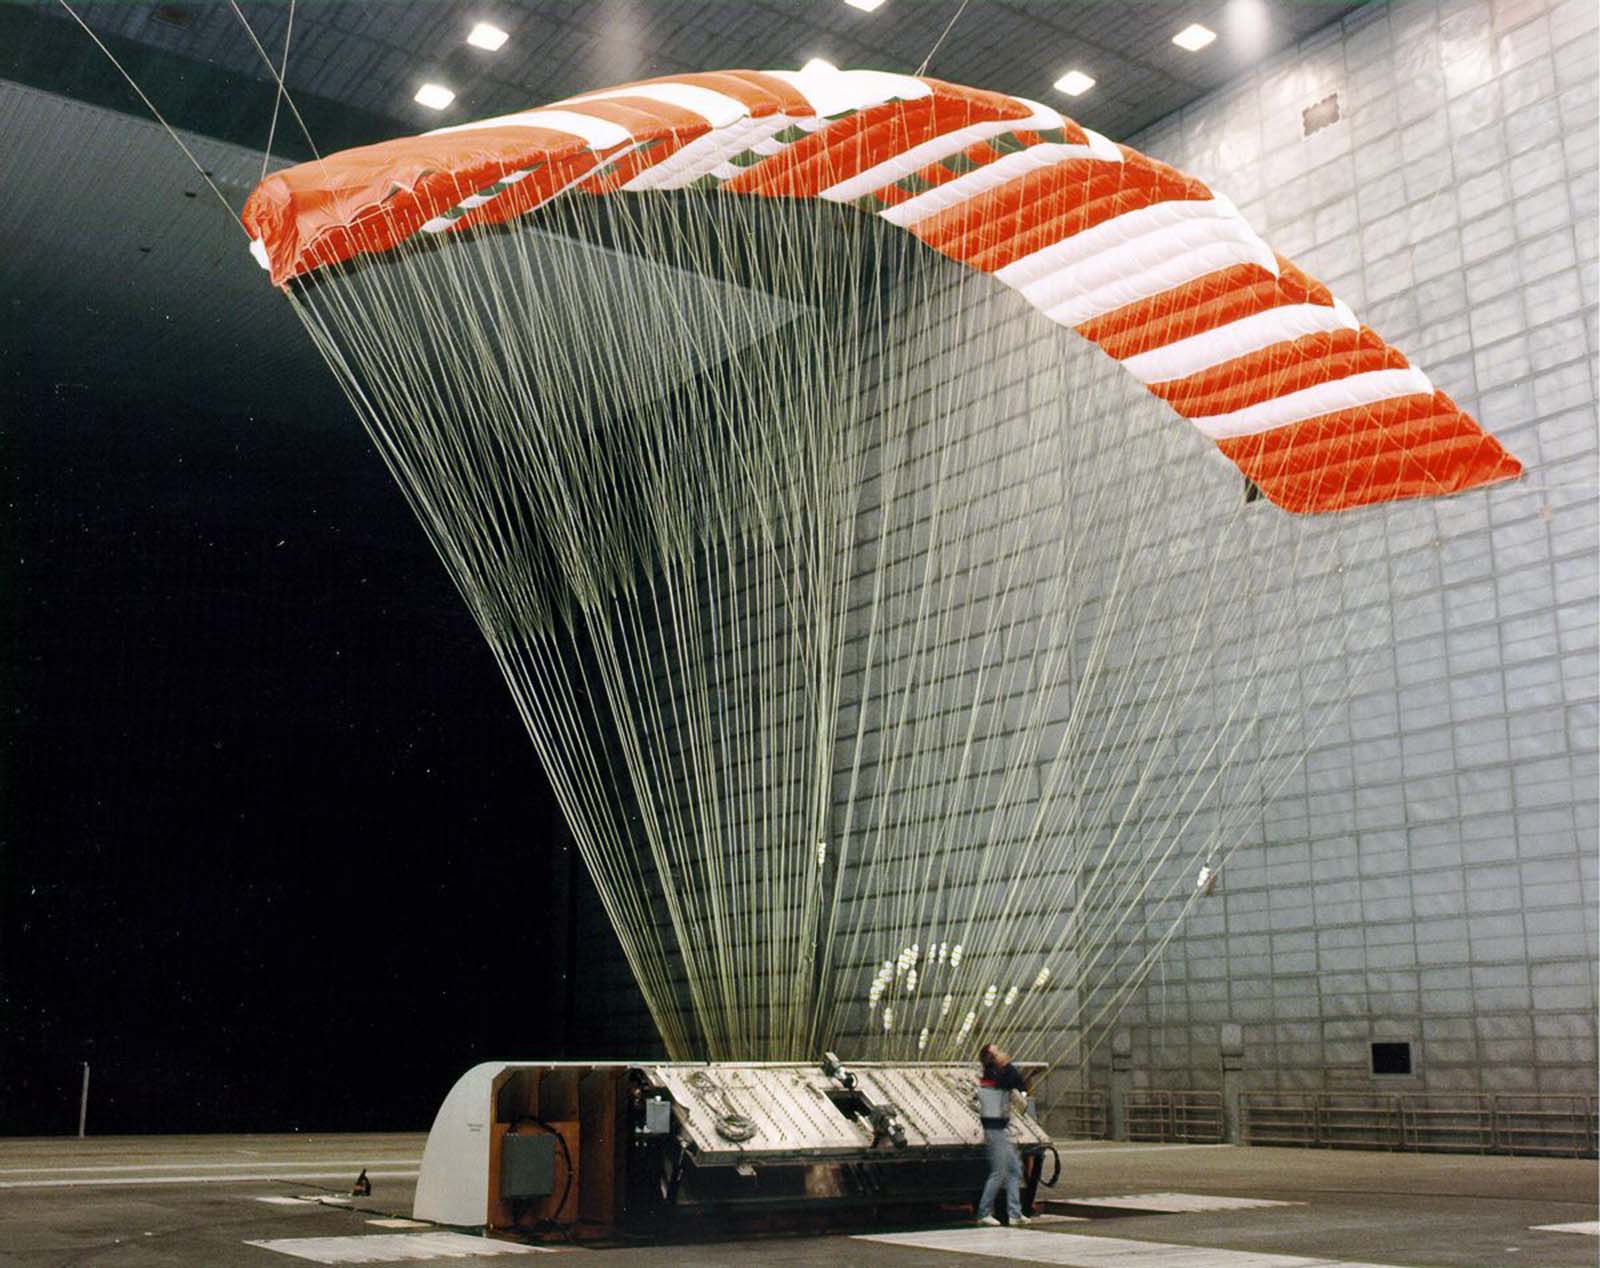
528 1166
572 1145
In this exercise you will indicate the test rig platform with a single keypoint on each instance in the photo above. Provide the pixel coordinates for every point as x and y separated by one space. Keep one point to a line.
574 1147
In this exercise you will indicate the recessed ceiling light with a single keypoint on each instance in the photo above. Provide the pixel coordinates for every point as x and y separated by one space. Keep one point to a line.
434 96
1248 27
1194 37
486 35
866 6
1074 83
818 66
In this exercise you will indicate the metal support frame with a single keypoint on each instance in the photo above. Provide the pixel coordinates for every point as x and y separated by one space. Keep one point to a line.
1442 1122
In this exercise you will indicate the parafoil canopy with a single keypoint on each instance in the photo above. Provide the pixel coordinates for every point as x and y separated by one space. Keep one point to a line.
1161 273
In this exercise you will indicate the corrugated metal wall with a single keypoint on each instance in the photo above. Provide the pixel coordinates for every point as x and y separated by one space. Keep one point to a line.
1433 875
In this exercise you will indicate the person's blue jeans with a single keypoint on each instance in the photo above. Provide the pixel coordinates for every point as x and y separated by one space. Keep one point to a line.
1005 1166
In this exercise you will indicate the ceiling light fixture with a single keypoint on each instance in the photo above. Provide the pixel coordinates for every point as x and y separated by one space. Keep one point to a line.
1074 83
1249 28
487 36
434 96
1194 37
818 66
866 6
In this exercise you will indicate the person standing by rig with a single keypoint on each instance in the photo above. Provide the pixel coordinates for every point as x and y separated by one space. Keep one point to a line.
999 1080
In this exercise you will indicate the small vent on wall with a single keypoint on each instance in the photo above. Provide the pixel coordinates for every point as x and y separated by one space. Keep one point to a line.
1324 114
1391 1058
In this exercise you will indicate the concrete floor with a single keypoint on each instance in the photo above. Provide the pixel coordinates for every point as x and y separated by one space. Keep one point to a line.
194 1202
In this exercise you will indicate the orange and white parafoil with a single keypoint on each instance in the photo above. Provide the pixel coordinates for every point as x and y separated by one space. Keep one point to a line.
1149 264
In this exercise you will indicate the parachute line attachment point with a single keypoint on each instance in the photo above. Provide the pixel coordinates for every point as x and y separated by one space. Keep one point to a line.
277 74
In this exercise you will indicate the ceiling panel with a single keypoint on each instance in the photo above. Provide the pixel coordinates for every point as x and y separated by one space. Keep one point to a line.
371 54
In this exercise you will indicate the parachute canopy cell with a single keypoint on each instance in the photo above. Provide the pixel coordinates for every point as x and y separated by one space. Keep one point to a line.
1161 273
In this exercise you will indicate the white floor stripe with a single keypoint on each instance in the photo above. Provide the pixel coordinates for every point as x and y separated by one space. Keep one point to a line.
254 1177
1072 1250
1065 1145
289 1201
393 1248
1174 1202
254 1165
399 1223
1583 1226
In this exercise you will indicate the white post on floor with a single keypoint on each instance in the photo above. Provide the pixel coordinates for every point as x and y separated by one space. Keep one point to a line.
83 1103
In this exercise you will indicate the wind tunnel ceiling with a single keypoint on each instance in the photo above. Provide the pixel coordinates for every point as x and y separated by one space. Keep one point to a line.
370 56
143 281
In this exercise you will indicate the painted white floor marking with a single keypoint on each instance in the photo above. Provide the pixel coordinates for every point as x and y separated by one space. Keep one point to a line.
399 1223
1065 1145
1582 1226
1072 1250
1052 1218
393 1248
289 1201
253 1177
1174 1202
358 1163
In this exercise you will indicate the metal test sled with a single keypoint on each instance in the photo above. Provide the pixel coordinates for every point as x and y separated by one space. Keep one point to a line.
541 1145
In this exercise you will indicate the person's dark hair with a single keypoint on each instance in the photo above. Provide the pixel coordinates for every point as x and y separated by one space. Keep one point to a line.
986 1055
